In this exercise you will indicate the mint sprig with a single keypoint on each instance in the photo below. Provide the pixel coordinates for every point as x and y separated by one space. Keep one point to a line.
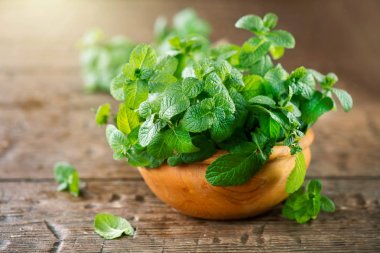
67 176
307 202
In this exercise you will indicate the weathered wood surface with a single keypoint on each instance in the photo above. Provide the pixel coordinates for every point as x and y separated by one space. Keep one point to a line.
45 117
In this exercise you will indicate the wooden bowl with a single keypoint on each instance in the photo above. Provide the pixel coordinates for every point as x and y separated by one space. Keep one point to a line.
185 188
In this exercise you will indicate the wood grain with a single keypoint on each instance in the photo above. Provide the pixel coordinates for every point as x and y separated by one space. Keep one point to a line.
31 224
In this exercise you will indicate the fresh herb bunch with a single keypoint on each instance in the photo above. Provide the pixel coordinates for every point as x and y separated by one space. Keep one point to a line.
102 58
184 106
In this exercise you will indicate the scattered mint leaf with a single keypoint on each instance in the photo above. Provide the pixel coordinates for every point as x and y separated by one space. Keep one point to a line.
67 177
102 114
304 205
110 226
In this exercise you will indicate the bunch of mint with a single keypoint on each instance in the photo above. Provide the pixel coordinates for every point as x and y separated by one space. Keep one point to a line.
101 58
183 106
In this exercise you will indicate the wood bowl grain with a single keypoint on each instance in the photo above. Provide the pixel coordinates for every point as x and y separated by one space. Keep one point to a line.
185 188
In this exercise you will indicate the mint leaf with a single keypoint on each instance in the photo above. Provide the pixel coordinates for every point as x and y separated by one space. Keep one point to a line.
344 98
276 52
254 86
223 126
262 100
180 141
160 81
327 205
67 176
253 51
135 93
270 127
102 114
314 187
149 129
159 147
173 104
192 87
281 38
117 87
251 23
297 176
126 119
167 64
270 20
233 169
214 84
117 141
206 149
110 226
143 56
199 117
315 107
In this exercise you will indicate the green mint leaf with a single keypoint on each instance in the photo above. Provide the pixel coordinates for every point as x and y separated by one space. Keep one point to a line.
102 114
262 66
206 149
327 205
281 38
223 126
270 20
192 87
344 98
117 87
214 84
240 106
270 127
223 69
235 79
67 176
74 184
117 140
254 86
253 51
129 71
314 187
126 119
199 117
110 226
225 102
173 104
160 81
251 23
149 129
167 64
329 80
159 147
174 161
233 169
180 141
315 108
262 100
297 176
276 52
135 93
276 77
143 56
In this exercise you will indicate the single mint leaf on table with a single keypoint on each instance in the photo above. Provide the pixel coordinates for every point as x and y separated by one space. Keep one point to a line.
110 226
67 176
102 114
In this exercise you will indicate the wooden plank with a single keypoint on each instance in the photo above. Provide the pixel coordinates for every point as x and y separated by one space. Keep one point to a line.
35 218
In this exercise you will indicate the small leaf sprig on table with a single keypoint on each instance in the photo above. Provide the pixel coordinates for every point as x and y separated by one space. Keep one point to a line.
183 106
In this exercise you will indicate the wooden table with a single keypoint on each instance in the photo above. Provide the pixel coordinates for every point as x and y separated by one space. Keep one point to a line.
45 117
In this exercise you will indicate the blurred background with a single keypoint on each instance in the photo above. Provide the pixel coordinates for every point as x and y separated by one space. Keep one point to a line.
45 114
